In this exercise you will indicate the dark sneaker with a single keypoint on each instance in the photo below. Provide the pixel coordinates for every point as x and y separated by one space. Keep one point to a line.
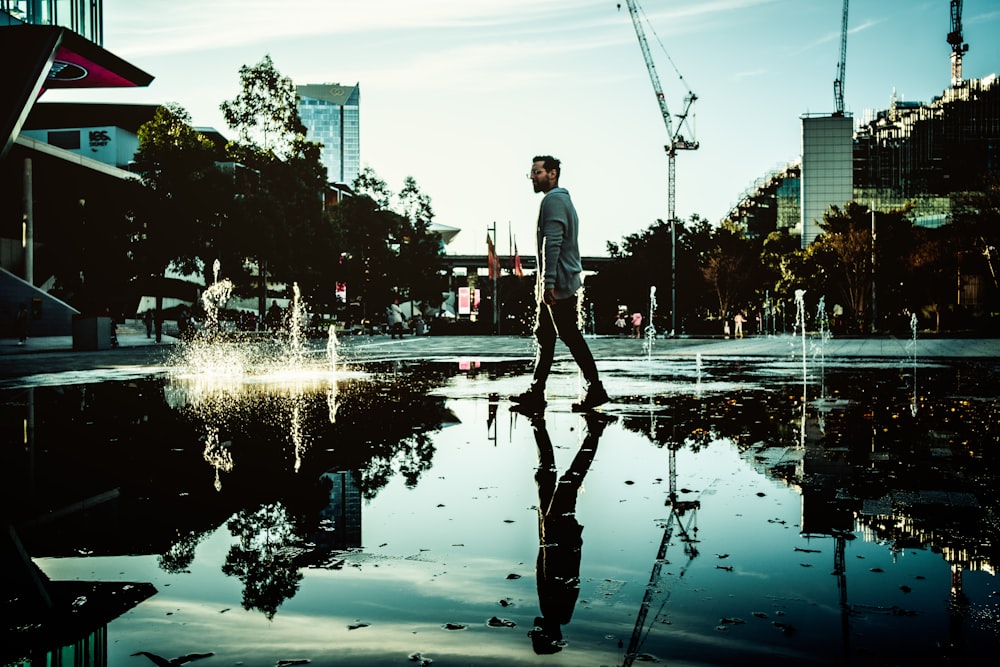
530 401
595 396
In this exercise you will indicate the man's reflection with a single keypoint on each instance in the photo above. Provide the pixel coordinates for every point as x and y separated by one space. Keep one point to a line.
560 535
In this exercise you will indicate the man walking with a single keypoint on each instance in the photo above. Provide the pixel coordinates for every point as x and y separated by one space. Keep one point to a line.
557 282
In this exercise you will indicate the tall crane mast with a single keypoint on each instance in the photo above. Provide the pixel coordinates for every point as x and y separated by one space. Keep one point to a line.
838 83
675 138
958 48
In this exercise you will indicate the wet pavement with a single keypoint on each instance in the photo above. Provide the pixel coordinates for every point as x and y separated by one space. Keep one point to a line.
736 503
55 353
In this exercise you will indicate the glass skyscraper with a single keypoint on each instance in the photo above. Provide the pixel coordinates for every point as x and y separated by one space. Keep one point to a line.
330 113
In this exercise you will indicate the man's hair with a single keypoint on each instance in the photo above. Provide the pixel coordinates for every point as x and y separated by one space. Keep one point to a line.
549 163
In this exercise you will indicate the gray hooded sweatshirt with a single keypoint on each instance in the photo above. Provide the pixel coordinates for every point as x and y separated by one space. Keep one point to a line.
559 264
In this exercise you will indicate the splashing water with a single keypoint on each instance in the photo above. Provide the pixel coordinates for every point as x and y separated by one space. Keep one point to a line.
650 331
800 324
214 299
698 369
217 455
295 327
800 320
819 347
332 359
219 372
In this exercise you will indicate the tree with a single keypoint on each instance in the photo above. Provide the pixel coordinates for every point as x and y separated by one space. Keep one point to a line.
368 183
780 254
726 266
932 256
285 232
976 223
264 112
387 251
845 253
840 260
419 249
643 260
187 194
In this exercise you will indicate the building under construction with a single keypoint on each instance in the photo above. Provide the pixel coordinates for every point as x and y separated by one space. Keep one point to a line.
924 153
913 152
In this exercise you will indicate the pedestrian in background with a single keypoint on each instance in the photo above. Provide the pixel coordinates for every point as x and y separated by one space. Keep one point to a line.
738 321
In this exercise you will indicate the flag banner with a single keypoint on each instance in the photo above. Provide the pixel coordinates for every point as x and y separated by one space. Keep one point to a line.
491 258
516 264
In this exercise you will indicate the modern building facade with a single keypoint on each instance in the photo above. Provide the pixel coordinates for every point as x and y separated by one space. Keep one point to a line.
330 113
771 203
53 181
921 153
84 17
827 168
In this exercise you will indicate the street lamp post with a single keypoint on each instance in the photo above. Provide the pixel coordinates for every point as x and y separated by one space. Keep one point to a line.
874 306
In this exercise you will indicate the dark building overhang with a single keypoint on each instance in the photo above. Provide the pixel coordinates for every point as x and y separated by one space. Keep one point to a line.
54 115
50 57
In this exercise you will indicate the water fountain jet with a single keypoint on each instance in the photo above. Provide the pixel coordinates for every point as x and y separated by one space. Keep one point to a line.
650 327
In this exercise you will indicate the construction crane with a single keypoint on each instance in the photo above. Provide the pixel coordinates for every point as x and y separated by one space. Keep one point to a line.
689 536
838 83
958 48
676 140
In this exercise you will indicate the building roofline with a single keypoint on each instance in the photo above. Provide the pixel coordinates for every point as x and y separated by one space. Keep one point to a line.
71 157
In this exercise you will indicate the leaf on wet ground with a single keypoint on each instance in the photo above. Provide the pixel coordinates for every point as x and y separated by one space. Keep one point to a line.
496 622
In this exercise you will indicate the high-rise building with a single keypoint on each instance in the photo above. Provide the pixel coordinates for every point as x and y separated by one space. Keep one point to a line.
827 168
330 113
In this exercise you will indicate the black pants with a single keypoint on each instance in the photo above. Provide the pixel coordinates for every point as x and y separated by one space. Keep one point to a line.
559 321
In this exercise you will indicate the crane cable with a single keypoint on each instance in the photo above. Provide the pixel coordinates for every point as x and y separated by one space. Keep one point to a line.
680 77
663 48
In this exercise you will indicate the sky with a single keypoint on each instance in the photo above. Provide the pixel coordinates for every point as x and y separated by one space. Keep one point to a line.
461 95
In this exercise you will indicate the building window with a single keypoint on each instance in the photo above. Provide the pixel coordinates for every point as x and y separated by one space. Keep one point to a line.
68 139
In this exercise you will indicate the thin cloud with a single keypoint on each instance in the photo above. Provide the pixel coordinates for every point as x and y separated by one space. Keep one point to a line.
749 74
187 25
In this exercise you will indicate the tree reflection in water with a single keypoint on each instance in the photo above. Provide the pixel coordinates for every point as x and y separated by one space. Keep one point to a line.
263 557
382 431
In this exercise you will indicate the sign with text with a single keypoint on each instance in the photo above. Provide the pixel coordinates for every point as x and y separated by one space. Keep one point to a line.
464 306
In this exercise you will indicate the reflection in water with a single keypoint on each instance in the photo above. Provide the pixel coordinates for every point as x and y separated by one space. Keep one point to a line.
263 558
123 468
217 454
560 535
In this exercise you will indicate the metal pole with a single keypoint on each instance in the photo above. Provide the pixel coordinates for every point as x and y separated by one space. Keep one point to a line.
496 293
874 307
673 279
28 231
